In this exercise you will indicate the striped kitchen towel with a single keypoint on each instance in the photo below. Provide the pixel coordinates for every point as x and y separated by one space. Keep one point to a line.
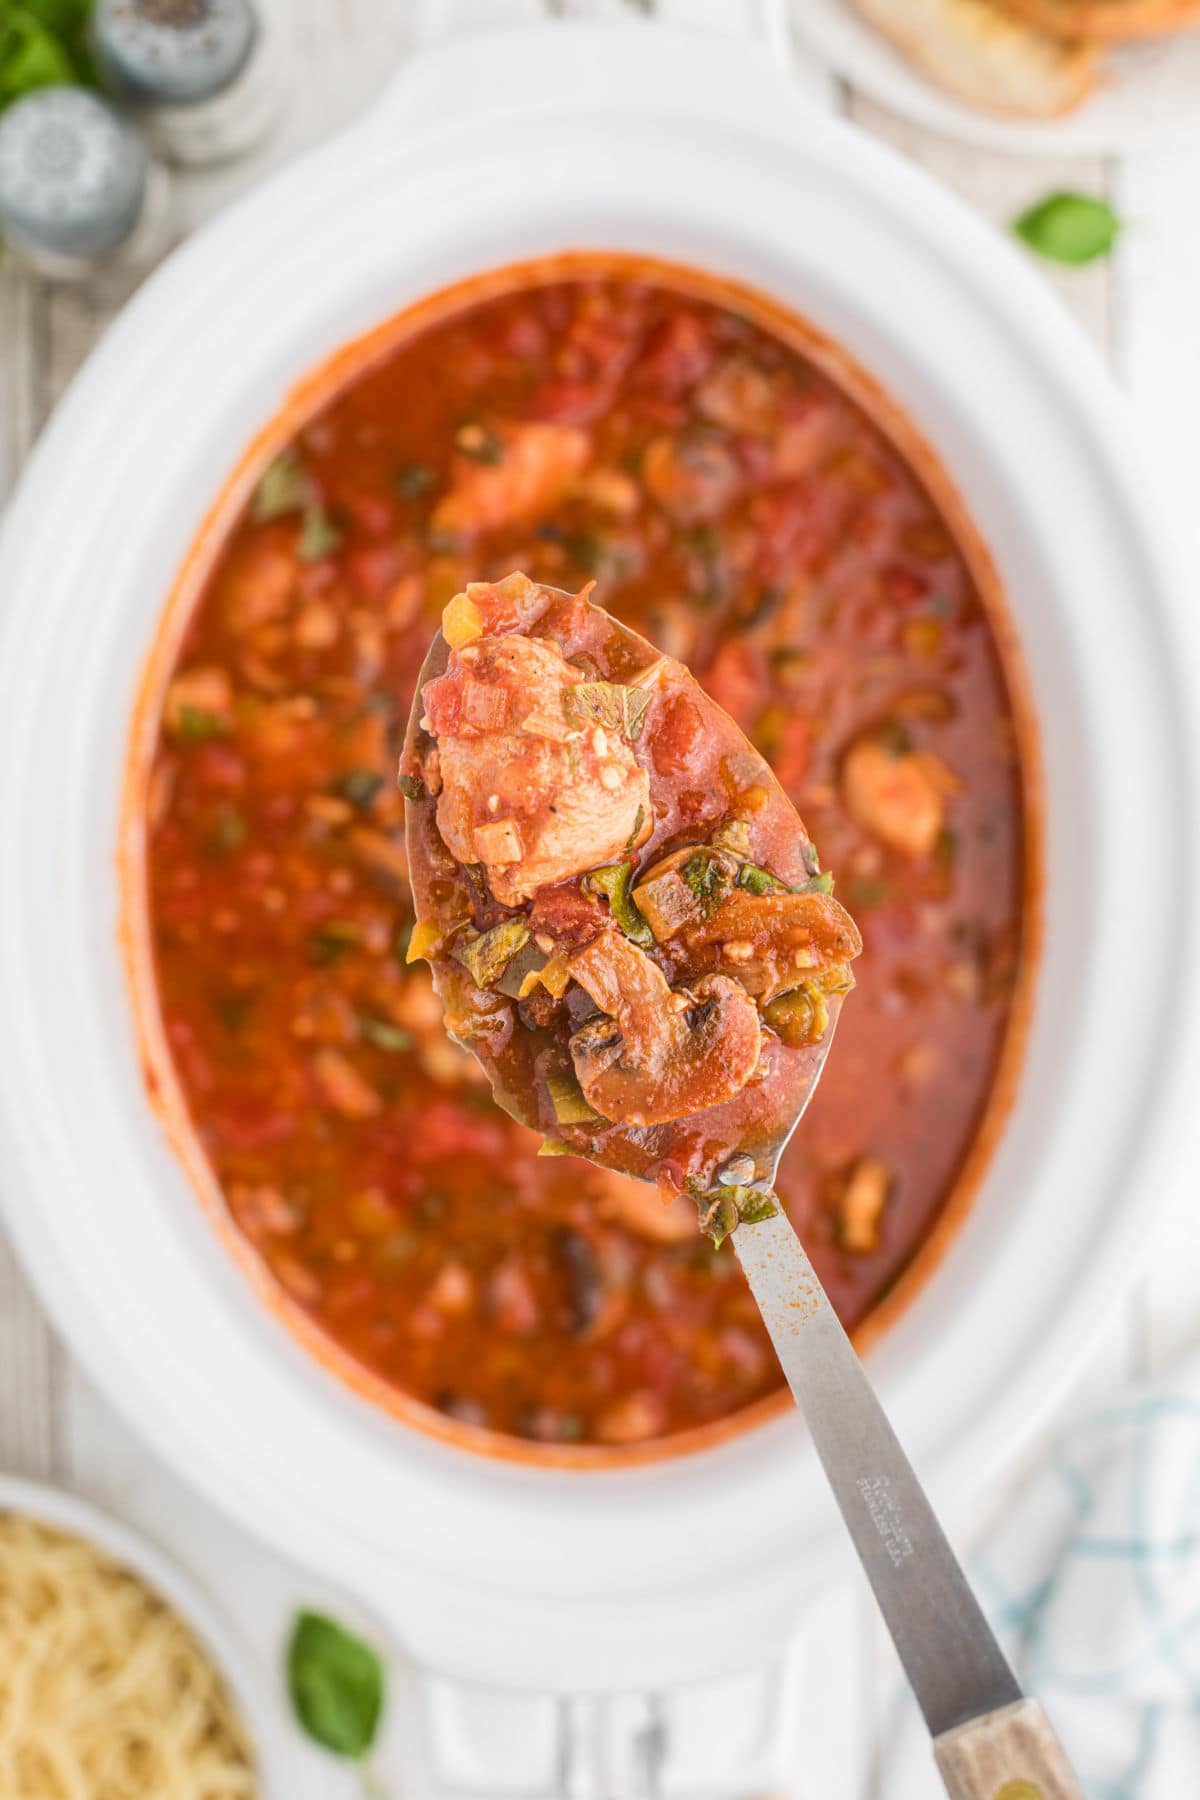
1092 1581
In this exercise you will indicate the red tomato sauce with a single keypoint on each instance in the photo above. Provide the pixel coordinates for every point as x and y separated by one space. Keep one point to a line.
745 514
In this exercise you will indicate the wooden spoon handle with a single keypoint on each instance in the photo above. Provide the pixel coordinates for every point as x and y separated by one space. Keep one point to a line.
1011 1754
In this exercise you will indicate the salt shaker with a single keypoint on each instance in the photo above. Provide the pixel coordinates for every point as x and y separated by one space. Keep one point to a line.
203 77
78 188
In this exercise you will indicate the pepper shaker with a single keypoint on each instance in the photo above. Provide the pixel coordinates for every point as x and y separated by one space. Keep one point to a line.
78 188
203 77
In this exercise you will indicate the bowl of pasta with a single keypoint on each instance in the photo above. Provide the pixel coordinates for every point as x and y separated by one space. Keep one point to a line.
117 1674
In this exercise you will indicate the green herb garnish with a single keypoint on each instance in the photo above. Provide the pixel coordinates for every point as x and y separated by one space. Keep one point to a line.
383 1034
487 954
359 786
228 832
283 488
639 819
734 836
411 786
607 703
319 536
818 884
612 883
336 1684
196 725
1069 228
332 940
754 1205
706 878
414 479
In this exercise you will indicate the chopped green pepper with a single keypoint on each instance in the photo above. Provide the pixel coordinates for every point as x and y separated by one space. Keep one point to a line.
801 1016
760 881
487 955
612 884
566 1097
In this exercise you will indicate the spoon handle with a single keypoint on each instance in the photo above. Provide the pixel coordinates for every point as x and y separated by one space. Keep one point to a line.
963 1684
1012 1754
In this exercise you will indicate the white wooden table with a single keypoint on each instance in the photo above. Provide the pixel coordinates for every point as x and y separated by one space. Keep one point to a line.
1142 311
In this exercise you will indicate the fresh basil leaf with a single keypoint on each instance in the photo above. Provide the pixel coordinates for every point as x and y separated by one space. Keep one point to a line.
1069 228
336 1685
30 56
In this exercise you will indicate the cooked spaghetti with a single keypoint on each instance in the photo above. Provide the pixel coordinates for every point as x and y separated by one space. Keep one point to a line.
105 1694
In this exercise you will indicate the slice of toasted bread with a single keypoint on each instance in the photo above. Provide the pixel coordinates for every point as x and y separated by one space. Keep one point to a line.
1109 21
984 54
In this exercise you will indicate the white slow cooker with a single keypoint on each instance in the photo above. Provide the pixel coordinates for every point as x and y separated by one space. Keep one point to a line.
484 153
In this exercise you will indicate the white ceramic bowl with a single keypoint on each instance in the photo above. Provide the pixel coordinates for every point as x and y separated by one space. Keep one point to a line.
481 154
258 1703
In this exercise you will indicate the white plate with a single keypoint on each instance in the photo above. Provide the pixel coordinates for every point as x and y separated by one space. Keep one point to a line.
1150 95
697 151
257 1702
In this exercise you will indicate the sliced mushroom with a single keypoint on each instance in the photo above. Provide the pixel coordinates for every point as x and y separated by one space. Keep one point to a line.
658 1054
773 941
769 939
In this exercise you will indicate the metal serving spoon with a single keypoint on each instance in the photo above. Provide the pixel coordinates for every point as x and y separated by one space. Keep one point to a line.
990 1741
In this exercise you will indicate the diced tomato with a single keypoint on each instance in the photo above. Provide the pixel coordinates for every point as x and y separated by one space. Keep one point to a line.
563 402
734 679
247 1125
678 737
373 569
678 355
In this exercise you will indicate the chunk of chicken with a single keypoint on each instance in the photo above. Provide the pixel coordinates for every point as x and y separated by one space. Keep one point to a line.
658 1054
515 475
861 1197
899 798
525 791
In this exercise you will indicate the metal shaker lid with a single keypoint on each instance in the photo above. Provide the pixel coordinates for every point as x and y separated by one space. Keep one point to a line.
173 52
72 174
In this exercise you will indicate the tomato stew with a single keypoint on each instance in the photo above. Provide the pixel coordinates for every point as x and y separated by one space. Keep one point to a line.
747 516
